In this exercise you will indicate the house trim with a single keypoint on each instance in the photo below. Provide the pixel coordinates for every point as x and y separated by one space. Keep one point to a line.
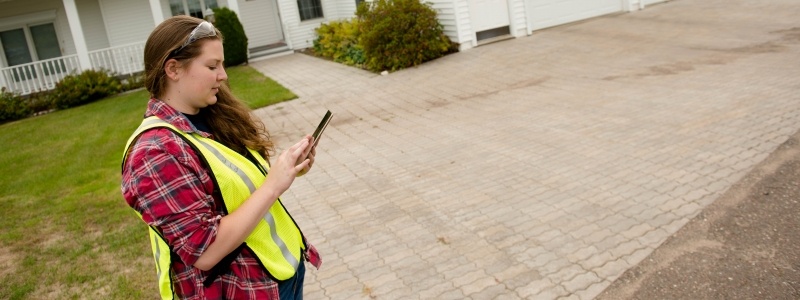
22 20
77 34
232 5
158 13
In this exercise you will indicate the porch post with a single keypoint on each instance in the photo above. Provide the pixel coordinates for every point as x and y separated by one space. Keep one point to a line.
158 13
234 6
3 81
77 34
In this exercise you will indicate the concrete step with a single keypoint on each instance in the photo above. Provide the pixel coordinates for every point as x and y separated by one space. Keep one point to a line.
261 53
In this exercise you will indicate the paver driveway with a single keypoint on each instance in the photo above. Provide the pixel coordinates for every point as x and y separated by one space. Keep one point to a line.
538 167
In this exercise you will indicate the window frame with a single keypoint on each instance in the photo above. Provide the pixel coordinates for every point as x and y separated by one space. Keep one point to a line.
203 7
312 18
26 29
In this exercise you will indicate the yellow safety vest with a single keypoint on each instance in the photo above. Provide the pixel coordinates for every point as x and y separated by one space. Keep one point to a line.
276 241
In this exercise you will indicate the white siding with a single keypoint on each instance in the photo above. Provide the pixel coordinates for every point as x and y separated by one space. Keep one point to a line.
548 13
127 21
454 17
339 9
260 23
519 24
446 13
94 30
466 37
330 10
452 14
300 34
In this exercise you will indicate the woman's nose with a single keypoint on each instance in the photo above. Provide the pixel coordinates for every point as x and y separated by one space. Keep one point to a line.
223 75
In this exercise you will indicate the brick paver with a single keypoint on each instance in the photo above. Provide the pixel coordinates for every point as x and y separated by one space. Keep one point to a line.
539 167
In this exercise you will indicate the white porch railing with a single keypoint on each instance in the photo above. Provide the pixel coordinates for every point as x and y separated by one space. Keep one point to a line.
120 60
39 75
44 74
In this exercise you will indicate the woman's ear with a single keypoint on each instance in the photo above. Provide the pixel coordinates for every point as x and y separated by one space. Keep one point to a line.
172 68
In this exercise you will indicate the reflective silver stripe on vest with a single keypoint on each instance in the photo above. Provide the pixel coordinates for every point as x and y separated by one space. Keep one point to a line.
158 257
268 217
151 122
250 185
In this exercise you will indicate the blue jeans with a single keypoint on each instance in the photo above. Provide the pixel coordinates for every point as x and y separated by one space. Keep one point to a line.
292 289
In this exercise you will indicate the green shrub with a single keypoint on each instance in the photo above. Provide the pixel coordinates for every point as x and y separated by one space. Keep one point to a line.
12 106
338 40
91 85
40 102
133 82
397 34
234 39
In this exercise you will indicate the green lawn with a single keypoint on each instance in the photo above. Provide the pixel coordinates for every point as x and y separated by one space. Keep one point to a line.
66 231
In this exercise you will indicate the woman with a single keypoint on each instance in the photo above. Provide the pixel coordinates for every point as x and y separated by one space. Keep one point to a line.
196 172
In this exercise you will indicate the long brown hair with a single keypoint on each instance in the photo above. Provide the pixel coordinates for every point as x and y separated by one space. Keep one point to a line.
231 120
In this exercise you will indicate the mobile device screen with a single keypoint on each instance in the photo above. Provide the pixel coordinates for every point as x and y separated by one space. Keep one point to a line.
321 127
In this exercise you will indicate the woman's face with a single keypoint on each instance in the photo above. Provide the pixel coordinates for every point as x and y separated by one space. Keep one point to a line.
198 82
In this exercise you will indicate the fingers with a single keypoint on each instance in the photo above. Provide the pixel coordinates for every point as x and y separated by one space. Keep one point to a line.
299 149
303 167
302 155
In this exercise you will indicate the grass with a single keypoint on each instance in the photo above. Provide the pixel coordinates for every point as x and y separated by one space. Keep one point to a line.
256 89
67 232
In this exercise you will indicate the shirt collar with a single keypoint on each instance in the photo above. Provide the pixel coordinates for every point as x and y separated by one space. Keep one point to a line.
165 112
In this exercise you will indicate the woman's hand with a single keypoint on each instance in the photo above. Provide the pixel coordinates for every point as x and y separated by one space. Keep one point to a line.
289 164
312 152
235 227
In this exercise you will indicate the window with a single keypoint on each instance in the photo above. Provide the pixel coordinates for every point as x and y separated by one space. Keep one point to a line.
194 8
45 41
15 46
32 43
309 9
358 2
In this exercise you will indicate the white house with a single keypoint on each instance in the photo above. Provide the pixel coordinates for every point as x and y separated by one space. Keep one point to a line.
44 40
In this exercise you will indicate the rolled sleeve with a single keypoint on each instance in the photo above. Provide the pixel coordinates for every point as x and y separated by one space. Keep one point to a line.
195 237
165 182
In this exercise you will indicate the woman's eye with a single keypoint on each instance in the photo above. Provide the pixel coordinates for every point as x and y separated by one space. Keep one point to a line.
212 68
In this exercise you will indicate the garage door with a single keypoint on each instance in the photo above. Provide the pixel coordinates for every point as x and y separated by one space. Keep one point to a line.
488 14
548 13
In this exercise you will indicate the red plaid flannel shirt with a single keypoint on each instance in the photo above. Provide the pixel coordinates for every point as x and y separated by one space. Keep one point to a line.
165 181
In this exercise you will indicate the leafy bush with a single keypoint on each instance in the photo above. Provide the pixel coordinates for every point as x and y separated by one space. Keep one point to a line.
397 34
338 40
12 107
234 39
40 102
91 85
133 82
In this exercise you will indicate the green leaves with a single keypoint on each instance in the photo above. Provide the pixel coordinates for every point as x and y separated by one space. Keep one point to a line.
397 34
385 35
338 40
86 87
234 39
